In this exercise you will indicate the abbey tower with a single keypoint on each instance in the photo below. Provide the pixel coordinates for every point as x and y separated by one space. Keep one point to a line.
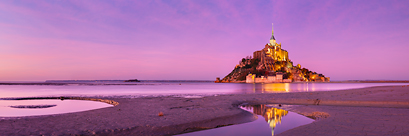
271 53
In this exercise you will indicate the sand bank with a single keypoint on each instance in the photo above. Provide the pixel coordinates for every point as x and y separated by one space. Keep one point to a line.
372 111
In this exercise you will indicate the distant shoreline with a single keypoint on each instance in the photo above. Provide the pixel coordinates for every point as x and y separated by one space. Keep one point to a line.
146 82
371 81
53 81
346 81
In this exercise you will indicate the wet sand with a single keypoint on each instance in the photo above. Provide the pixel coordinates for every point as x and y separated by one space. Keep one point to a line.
366 111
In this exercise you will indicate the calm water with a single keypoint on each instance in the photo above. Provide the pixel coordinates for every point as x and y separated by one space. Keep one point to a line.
171 88
17 108
270 121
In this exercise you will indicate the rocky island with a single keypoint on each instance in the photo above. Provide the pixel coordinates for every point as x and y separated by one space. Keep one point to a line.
270 65
132 80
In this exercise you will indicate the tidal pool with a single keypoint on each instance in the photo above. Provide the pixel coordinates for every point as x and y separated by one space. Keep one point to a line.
270 121
19 108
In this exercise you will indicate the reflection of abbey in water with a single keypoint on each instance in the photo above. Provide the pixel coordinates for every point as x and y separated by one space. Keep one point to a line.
270 88
286 87
272 115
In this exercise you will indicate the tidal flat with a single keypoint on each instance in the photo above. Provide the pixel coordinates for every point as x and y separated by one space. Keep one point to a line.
364 111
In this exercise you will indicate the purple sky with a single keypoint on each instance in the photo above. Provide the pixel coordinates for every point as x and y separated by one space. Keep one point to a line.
176 39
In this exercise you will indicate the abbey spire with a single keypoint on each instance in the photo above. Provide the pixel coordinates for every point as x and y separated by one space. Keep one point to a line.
272 39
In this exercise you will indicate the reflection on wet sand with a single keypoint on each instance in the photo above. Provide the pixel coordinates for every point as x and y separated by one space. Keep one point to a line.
276 87
272 116
284 87
271 88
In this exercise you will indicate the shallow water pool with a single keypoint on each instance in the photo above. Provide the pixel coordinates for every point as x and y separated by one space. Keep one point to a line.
19 108
270 121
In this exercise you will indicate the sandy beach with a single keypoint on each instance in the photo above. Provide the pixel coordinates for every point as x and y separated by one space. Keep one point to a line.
365 111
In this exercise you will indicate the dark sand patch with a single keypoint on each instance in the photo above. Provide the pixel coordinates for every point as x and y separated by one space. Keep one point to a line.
65 98
32 106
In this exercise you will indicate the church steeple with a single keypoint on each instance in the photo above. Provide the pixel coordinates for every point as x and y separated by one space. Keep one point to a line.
272 39
272 29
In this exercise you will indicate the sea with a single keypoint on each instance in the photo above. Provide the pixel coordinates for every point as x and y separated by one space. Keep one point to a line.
157 88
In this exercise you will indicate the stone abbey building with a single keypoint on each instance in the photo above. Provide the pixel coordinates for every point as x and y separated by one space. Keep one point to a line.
271 53
268 57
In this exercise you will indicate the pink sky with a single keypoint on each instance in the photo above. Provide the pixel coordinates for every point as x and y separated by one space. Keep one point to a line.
199 40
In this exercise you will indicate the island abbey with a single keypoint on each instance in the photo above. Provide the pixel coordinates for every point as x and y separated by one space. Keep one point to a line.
270 65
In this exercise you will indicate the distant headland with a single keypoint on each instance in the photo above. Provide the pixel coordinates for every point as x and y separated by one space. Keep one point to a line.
270 65
132 80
